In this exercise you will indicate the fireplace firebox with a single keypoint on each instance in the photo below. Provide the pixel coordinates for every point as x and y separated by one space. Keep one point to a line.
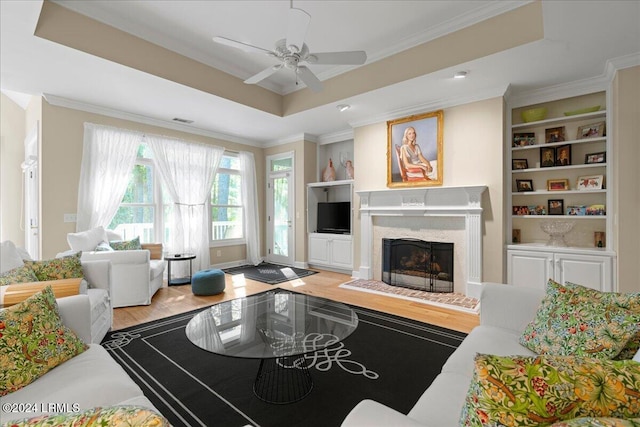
418 264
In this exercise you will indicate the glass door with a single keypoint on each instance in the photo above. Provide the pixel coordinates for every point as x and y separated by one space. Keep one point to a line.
280 208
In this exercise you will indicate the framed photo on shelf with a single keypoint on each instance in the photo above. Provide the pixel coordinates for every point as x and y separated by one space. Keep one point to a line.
556 207
517 164
554 135
515 235
593 130
557 184
563 155
547 157
524 185
595 158
593 182
578 210
523 139
537 210
520 210
599 239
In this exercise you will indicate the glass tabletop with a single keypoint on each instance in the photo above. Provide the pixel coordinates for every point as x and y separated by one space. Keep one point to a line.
271 324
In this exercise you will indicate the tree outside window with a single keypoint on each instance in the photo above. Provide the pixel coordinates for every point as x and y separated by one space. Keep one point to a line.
226 201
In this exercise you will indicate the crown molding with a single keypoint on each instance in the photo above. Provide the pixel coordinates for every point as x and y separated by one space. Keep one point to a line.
330 138
138 118
432 106
291 139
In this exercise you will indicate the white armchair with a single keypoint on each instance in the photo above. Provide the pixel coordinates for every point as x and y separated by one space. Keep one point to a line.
135 277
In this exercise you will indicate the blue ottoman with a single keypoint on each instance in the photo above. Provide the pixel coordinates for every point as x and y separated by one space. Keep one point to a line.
208 282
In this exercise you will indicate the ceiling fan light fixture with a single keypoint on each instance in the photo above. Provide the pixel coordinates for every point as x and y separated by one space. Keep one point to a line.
460 75
343 107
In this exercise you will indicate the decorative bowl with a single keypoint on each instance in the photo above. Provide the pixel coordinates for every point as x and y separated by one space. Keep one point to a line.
534 114
556 231
583 111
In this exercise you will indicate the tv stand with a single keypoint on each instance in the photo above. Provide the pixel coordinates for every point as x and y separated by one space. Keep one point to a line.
331 249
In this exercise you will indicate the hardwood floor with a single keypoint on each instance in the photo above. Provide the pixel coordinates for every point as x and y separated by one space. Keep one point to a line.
179 299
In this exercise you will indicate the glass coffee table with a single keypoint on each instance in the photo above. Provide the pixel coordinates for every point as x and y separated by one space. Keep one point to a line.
279 328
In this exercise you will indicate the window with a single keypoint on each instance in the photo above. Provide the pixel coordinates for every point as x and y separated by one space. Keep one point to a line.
138 212
227 224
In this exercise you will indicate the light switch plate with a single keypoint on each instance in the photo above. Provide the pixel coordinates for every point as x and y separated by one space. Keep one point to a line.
70 217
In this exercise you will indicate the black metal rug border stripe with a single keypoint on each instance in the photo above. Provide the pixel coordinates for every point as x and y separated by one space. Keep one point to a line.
192 387
269 273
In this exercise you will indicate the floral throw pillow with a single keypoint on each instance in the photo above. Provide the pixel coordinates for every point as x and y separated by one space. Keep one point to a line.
567 324
126 245
630 302
110 416
33 341
541 390
68 267
598 422
22 274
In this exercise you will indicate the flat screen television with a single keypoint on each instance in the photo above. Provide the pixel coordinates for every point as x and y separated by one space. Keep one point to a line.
334 217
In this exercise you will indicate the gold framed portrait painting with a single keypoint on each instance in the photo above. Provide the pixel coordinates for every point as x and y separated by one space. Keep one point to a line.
414 150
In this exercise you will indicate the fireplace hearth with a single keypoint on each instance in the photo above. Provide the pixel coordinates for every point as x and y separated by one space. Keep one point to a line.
418 264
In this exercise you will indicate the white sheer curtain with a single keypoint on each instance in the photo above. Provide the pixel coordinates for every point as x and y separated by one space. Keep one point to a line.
188 170
250 206
108 156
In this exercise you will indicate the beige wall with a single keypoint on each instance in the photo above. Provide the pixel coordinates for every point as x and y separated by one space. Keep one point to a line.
473 155
626 150
12 135
61 146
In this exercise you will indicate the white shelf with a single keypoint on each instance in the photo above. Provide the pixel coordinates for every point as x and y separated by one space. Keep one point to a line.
554 144
578 217
557 168
555 193
330 183
560 120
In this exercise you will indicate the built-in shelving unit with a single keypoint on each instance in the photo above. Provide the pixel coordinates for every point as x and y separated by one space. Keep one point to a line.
586 259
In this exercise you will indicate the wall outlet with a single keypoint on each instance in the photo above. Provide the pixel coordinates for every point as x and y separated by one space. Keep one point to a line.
70 217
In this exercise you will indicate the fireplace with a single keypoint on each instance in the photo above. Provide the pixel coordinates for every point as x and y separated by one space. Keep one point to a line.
418 264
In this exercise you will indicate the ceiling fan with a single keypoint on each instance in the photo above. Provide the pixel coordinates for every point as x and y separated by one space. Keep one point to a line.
292 50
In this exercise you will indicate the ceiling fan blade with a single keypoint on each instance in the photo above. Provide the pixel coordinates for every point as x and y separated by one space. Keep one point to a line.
239 45
309 78
297 28
263 74
356 57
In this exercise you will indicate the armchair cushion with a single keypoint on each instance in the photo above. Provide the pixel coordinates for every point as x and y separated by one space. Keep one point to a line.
22 274
87 240
9 256
67 267
126 245
33 340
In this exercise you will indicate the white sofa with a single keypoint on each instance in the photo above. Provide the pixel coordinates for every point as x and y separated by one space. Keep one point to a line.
88 380
135 277
505 311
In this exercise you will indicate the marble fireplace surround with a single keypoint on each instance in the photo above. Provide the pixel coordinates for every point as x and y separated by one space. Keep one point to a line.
447 202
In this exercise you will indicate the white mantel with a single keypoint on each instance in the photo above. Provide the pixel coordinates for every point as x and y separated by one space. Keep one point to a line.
426 202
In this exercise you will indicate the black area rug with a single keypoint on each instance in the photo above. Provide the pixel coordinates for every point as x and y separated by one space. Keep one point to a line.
389 359
270 273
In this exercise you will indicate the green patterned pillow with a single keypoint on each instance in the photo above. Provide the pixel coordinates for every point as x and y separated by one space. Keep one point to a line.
567 324
33 341
539 391
598 422
126 245
629 302
109 416
22 274
68 267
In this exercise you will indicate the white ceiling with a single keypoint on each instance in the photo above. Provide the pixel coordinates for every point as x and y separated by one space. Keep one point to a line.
580 37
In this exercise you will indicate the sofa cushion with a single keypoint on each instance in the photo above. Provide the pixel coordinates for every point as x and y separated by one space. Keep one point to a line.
629 302
570 324
9 256
109 416
23 274
87 240
88 380
126 245
540 390
33 341
598 422
442 402
484 339
68 267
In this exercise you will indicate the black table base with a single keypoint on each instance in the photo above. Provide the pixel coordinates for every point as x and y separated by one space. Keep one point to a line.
283 380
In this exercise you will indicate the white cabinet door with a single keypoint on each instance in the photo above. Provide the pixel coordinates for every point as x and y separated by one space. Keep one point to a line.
592 271
318 249
532 269
341 253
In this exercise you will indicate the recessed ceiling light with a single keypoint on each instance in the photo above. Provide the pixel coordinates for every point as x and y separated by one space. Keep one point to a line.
460 75
343 107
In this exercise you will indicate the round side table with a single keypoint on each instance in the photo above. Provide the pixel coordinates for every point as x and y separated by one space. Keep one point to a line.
179 257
